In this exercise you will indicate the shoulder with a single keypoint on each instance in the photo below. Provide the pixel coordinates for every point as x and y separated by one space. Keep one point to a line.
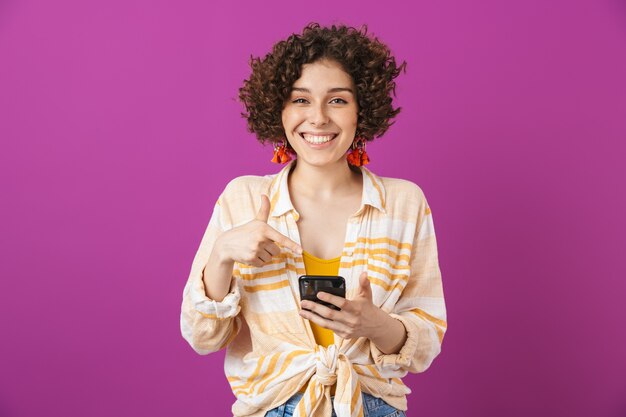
404 200
240 200
402 191
246 185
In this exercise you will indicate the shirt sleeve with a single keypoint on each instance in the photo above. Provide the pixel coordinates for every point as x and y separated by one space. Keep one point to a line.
421 307
209 325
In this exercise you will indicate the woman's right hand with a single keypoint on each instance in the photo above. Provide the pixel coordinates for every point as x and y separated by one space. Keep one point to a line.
256 242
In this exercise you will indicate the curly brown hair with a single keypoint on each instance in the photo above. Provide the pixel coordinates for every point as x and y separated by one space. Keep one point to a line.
368 61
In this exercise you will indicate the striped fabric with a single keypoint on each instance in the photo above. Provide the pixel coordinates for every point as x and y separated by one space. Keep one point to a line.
271 350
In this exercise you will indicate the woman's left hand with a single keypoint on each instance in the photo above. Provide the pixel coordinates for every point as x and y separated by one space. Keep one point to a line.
358 317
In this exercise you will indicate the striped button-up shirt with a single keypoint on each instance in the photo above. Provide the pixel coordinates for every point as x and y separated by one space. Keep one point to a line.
271 350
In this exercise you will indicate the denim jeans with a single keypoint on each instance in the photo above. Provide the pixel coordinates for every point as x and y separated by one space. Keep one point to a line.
372 407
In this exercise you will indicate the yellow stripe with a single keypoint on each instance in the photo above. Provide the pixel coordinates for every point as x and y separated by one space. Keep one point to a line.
355 396
363 261
264 274
233 333
312 398
302 407
374 268
377 240
247 387
268 371
399 258
386 273
266 287
374 252
252 377
399 282
275 260
385 286
439 334
286 363
358 370
373 370
430 318
427 211
267 274
438 322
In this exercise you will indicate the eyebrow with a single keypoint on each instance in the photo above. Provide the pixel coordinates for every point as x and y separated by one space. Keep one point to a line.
332 90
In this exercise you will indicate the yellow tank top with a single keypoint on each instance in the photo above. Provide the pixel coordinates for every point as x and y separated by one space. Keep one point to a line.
317 266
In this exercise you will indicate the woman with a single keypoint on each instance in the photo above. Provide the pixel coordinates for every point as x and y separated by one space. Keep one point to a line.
319 97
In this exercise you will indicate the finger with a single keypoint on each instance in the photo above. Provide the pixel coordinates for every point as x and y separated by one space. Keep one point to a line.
333 299
272 248
335 326
321 310
264 210
282 240
365 288
264 256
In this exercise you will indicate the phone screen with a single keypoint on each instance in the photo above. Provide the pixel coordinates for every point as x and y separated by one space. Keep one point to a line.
310 285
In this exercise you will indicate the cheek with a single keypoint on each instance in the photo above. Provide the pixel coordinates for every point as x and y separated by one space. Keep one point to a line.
288 118
355 117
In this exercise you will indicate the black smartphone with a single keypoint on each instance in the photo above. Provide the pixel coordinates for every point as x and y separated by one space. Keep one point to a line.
310 285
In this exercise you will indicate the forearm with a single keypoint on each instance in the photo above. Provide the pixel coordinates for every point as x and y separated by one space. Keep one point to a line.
217 274
204 330
390 335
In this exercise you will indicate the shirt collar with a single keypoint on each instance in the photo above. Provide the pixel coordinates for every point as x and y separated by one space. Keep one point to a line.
280 201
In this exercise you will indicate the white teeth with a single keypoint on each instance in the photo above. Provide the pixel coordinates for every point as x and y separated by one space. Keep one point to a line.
317 139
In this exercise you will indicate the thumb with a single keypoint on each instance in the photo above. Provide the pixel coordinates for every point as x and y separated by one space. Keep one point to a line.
365 288
264 210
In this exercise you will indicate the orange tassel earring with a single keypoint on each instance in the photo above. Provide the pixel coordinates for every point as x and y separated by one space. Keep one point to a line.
357 155
281 155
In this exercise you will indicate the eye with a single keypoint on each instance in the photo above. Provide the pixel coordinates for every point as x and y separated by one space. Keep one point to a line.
298 100
340 99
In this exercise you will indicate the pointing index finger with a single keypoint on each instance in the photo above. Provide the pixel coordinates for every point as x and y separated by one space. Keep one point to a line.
283 240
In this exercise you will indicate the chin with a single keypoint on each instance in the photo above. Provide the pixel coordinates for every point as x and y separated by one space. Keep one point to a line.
322 162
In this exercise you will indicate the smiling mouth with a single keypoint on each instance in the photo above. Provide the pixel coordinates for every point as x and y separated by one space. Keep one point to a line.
316 140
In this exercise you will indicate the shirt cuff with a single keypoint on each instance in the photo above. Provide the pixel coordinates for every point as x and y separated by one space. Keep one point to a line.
228 307
402 359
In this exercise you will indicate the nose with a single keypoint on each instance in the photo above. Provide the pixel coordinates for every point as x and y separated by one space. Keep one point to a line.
318 115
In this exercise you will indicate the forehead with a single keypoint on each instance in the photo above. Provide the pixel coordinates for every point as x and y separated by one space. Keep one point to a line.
323 74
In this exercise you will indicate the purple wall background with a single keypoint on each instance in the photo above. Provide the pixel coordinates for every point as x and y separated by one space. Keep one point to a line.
120 127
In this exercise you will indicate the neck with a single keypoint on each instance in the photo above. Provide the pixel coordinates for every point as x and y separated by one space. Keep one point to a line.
327 181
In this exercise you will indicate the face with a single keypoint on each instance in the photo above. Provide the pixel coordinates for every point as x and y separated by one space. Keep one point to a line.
320 115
